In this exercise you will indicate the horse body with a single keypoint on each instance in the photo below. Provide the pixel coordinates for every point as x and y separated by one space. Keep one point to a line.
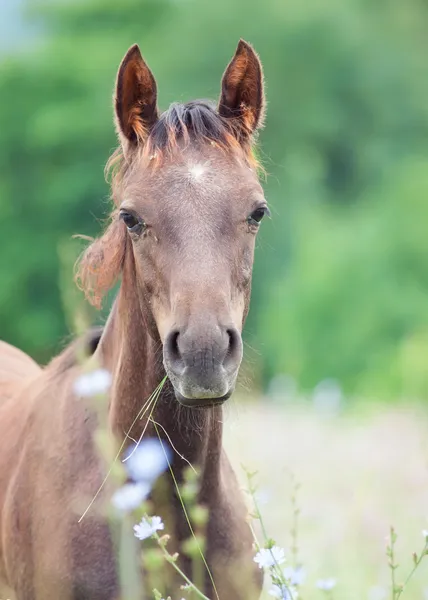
185 284
15 368
47 466
49 469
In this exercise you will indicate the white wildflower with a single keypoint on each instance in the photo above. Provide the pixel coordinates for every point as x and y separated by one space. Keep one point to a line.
326 584
148 460
268 557
295 576
93 383
130 496
262 497
425 534
283 592
147 527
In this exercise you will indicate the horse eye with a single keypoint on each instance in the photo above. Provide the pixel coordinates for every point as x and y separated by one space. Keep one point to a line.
132 222
257 215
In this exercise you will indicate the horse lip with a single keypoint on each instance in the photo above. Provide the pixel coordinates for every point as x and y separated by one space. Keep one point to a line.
201 403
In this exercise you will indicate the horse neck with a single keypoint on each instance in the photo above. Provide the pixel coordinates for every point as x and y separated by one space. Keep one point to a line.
134 357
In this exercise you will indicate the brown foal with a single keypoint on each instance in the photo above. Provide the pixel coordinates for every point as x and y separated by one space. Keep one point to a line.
187 208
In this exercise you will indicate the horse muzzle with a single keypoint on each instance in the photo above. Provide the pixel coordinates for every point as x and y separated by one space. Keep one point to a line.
203 364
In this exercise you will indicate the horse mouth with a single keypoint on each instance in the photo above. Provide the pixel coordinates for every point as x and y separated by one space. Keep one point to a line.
201 403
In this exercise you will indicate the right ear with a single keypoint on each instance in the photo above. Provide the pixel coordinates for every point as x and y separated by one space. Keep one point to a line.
135 99
242 90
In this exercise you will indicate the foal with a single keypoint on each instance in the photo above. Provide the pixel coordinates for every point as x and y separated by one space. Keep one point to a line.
188 205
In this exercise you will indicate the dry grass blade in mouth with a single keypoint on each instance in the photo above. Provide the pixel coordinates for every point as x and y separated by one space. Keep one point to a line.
151 402
152 408
171 444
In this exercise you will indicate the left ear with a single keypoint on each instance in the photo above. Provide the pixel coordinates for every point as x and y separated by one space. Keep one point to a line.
135 99
242 90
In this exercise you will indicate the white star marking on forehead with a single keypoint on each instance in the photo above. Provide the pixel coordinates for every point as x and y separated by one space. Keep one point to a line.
196 171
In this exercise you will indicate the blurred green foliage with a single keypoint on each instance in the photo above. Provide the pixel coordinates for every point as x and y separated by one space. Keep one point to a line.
341 276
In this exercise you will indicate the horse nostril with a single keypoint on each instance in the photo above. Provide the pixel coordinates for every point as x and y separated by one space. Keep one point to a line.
187 353
233 354
173 350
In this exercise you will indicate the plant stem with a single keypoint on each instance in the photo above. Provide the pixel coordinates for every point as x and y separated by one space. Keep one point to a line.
172 562
198 571
295 523
276 567
415 566
187 516
392 565
129 569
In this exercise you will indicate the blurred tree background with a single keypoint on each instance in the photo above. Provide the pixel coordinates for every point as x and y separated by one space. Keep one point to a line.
341 277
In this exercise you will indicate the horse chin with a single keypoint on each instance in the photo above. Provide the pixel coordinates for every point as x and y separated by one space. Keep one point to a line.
202 402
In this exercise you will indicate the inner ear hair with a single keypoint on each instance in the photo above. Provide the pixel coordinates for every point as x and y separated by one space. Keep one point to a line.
242 90
135 98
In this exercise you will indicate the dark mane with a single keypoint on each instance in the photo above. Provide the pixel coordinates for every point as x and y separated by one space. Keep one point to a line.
198 121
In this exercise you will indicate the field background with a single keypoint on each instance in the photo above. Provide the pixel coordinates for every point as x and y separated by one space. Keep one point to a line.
335 375
360 472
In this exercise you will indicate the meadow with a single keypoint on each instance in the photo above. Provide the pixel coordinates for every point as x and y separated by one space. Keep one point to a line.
360 472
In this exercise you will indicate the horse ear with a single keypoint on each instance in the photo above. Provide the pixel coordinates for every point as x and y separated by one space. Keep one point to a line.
135 98
242 90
